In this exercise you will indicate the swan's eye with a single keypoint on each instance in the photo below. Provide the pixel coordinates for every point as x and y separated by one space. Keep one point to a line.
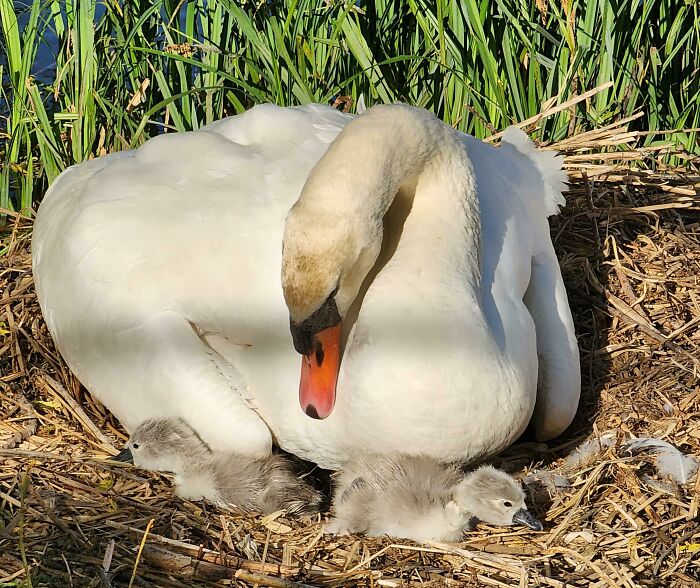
507 503
134 445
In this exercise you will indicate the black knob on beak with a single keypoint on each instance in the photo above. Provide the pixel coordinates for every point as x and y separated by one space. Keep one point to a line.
124 455
524 517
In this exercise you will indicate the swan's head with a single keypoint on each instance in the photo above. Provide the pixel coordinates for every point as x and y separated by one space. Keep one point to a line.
164 445
327 253
494 497
333 234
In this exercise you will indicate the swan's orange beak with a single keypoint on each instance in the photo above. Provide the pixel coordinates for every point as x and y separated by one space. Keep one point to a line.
319 373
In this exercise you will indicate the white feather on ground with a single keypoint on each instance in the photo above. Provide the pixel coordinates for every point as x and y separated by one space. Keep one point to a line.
669 461
589 450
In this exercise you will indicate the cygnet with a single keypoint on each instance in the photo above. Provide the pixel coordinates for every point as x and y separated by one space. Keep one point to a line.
264 484
422 499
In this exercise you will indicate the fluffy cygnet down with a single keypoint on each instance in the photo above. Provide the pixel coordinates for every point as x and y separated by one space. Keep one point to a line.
421 499
255 484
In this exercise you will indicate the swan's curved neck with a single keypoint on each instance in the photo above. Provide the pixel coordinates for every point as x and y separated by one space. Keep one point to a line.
392 149
441 236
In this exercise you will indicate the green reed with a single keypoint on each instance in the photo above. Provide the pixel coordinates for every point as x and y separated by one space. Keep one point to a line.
129 69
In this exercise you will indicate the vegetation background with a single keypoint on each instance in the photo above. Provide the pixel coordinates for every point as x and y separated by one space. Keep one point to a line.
82 78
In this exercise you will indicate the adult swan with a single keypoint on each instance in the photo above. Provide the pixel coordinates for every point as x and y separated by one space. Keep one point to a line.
158 272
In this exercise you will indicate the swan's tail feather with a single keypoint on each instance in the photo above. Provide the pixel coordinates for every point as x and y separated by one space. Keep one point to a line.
548 163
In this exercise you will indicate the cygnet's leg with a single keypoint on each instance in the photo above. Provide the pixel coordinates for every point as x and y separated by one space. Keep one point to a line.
352 506
180 376
559 378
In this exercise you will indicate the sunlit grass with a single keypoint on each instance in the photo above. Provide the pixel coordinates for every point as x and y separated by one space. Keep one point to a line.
128 70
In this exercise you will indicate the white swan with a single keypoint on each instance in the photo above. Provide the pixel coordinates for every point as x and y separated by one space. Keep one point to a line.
158 272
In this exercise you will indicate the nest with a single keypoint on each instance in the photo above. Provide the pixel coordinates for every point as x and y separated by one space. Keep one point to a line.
629 246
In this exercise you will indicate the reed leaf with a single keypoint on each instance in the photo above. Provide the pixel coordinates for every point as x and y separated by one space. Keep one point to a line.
126 71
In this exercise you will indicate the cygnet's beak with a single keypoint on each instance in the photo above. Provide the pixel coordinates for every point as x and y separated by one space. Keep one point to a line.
523 517
124 455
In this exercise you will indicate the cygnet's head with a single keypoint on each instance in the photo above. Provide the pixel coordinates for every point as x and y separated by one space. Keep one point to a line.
164 445
494 497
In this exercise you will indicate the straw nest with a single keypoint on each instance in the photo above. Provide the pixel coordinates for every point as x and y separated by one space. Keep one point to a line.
629 247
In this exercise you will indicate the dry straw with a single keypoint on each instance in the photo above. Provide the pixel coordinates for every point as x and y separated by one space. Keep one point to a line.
629 246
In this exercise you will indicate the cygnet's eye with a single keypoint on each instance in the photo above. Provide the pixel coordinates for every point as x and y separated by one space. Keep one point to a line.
134 445
507 503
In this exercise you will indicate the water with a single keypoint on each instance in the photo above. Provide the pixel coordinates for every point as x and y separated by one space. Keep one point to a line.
44 68
45 62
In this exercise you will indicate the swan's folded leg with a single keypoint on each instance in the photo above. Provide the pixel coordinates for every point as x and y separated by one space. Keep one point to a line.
182 377
559 377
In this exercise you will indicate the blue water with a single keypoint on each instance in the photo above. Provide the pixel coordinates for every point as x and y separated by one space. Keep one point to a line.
45 63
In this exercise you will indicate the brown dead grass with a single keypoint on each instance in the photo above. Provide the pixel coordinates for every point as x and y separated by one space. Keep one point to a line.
629 246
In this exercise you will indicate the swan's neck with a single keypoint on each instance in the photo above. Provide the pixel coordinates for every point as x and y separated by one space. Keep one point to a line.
441 235
387 151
